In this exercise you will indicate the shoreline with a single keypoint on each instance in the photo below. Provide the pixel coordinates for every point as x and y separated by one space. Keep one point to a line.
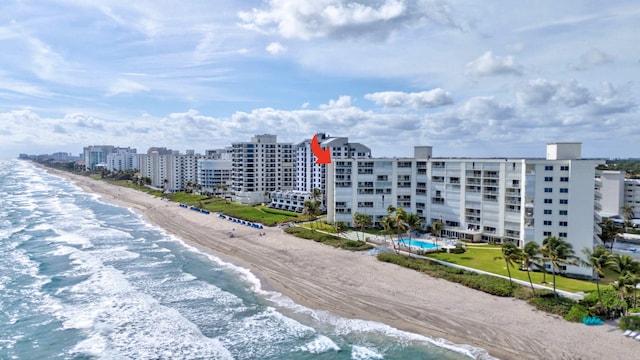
357 285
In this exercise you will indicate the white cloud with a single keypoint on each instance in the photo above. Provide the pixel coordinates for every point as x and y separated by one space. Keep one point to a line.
490 65
343 102
307 19
418 100
275 48
542 92
125 86
592 58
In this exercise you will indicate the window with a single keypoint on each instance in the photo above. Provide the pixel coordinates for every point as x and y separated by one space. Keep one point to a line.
564 212
548 190
564 190
548 201
548 211
547 222
562 234
546 233
564 201
564 167
563 223
564 179
548 178
548 167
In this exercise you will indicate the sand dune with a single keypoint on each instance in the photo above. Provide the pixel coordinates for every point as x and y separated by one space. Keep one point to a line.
356 285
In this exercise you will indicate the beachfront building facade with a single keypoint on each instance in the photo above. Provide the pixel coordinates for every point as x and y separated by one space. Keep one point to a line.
308 174
259 167
495 200
153 166
214 175
182 171
96 155
123 159
290 200
613 192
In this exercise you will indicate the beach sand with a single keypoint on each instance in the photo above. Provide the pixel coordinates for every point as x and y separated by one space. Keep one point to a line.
356 285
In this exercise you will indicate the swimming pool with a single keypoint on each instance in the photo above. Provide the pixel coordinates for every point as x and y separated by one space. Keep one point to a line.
418 243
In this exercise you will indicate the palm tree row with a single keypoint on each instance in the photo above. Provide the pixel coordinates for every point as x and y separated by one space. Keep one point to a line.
398 221
554 251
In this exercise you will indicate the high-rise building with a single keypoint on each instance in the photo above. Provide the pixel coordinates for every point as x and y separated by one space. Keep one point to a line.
308 174
259 167
95 155
497 200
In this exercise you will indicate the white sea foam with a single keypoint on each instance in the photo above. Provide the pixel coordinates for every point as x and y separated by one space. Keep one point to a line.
321 344
364 353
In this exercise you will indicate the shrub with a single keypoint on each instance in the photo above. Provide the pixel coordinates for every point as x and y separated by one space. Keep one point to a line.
629 323
459 249
354 245
552 305
576 313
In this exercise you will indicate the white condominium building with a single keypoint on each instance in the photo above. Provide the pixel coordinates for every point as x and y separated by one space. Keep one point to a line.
170 170
259 167
123 159
617 192
517 200
308 174
214 175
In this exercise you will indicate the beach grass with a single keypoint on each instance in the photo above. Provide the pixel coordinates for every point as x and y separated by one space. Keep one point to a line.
482 257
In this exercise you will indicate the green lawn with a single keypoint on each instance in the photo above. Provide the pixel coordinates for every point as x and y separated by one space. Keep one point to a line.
482 257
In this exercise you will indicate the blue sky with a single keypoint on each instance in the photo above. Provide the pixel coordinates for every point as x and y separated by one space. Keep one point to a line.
471 79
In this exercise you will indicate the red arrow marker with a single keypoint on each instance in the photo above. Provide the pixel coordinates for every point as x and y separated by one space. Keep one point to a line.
323 155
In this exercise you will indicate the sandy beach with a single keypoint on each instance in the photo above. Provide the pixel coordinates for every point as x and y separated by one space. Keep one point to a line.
356 285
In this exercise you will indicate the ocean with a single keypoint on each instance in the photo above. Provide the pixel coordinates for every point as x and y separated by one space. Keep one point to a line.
84 279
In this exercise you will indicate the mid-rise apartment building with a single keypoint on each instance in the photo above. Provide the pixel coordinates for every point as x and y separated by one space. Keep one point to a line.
214 175
517 200
123 159
259 167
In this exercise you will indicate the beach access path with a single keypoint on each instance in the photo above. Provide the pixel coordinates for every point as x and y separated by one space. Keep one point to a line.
357 285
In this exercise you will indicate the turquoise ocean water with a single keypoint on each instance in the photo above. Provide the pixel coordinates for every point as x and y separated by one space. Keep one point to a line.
83 279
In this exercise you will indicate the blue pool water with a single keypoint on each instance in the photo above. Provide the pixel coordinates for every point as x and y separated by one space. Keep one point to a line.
418 243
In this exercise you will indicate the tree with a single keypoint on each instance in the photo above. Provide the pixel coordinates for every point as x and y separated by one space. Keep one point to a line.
388 225
628 212
610 230
340 227
559 253
599 259
413 223
310 209
511 254
436 228
530 256
361 220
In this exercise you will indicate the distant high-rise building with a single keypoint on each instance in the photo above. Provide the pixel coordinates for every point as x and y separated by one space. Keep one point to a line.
123 159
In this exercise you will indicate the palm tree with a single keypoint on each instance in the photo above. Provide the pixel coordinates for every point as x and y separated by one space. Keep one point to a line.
413 223
310 209
628 212
361 220
600 259
558 252
511 254
340 227
388 225
436 229
400 221
530 256
610 230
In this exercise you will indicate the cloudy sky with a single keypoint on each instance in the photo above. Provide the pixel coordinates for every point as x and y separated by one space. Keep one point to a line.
471 78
